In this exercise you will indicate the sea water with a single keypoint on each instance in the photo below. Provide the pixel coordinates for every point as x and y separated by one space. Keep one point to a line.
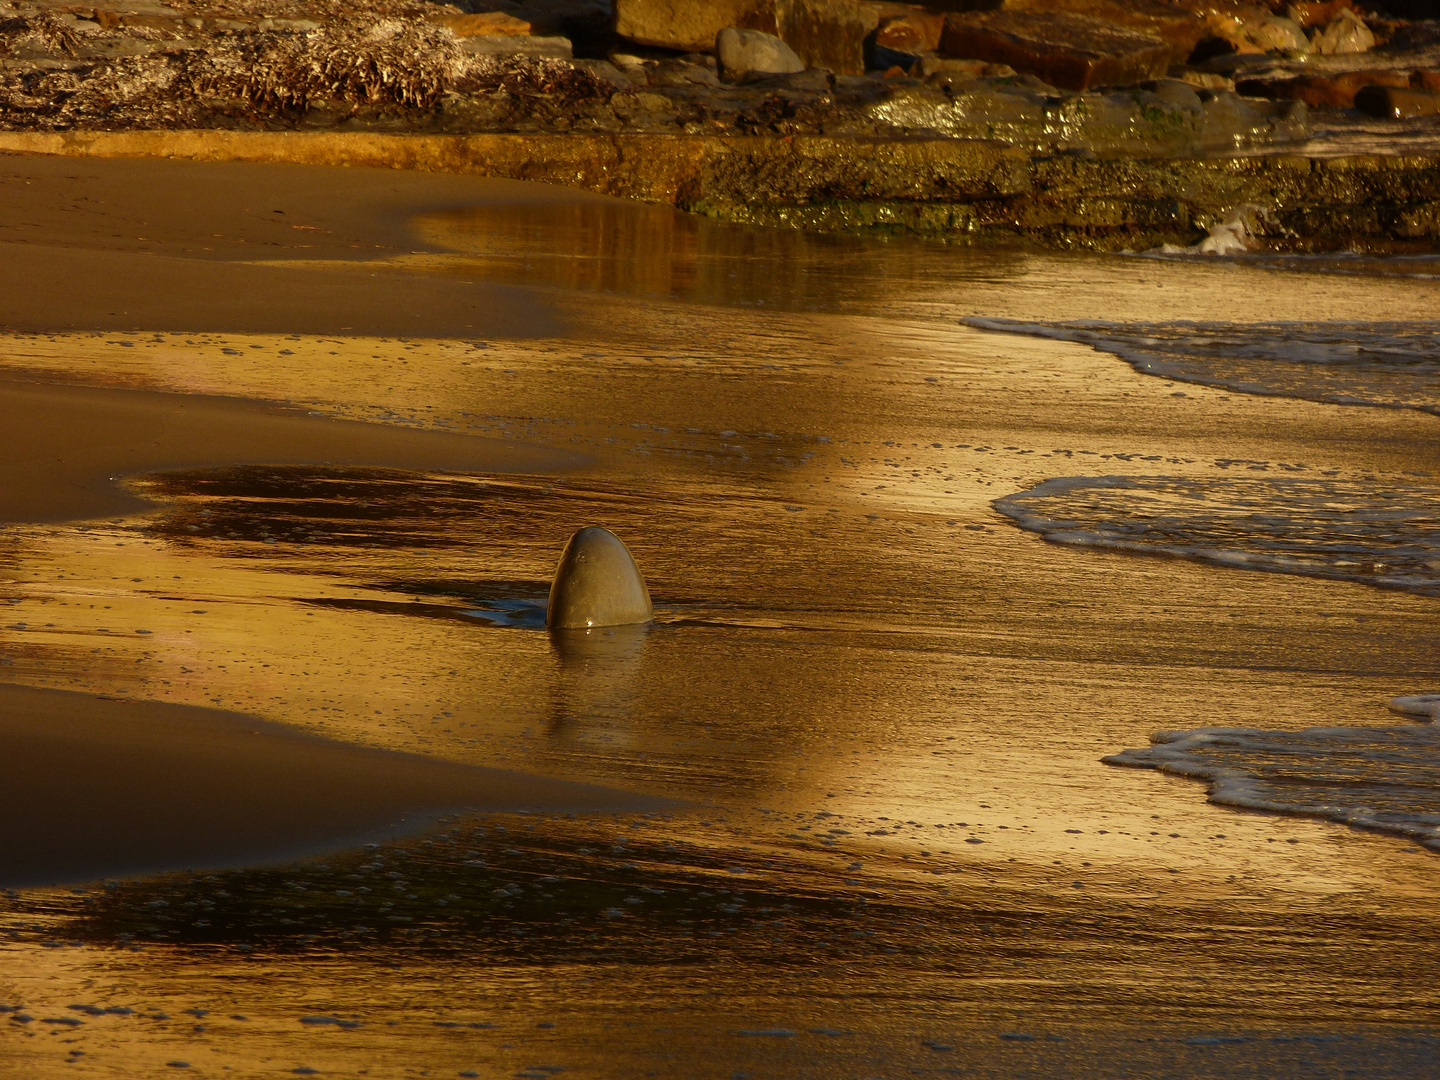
1283 517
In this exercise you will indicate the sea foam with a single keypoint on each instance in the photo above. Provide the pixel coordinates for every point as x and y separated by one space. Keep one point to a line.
1385 779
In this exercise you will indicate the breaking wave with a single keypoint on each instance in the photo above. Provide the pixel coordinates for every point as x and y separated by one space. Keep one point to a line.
1385 779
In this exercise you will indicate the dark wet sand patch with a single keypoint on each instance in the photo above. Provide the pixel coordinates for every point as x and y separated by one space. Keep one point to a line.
93 787
66 446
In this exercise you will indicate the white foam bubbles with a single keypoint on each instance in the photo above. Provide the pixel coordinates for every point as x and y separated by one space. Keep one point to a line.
1425 706
1385 779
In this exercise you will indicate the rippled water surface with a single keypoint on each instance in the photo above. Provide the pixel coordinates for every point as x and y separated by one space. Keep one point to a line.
1346 530
886 703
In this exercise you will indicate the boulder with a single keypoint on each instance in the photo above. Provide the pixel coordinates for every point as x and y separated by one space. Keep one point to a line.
828 34
754 52
1073 52
1226 33
597 584
1174 94
689 25
1346 33
1278 34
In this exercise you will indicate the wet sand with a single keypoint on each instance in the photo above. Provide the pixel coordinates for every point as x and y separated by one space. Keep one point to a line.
891 703
144 244
68 446
91 788
94 787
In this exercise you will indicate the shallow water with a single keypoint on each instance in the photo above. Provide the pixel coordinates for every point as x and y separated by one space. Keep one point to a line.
1382 532
890 702
1372 363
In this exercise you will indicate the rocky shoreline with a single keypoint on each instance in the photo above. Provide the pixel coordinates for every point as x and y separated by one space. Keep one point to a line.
961 148
962 191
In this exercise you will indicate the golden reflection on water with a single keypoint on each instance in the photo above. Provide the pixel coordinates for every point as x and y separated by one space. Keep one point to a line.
874 685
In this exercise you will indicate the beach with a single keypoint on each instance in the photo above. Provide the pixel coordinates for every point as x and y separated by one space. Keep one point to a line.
840 811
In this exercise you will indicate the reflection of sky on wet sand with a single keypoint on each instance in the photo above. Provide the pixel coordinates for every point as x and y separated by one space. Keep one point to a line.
858 668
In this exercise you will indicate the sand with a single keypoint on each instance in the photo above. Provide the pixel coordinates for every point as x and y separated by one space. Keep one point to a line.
889 702
94 787
143 244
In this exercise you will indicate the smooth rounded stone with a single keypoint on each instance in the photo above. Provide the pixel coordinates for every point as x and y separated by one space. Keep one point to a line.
754 52
597 584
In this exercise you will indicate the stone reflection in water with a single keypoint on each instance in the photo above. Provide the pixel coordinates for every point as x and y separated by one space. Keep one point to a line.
597 671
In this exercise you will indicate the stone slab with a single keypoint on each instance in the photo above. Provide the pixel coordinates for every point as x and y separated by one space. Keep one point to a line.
829 34
1323 91
1181 26
1072 52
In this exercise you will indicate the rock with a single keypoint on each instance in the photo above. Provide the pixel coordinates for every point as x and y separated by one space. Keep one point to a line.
1394 103
643 108
483 24
684 73
1182 28
828 34
1203 80
1276 33
754 52
910 32
597 584
1346 33
943 66
1426 80
1175 94
604 71
1322 91
1310 13
541 48
690 25
1073 52
1232 123
810 81
1225 33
